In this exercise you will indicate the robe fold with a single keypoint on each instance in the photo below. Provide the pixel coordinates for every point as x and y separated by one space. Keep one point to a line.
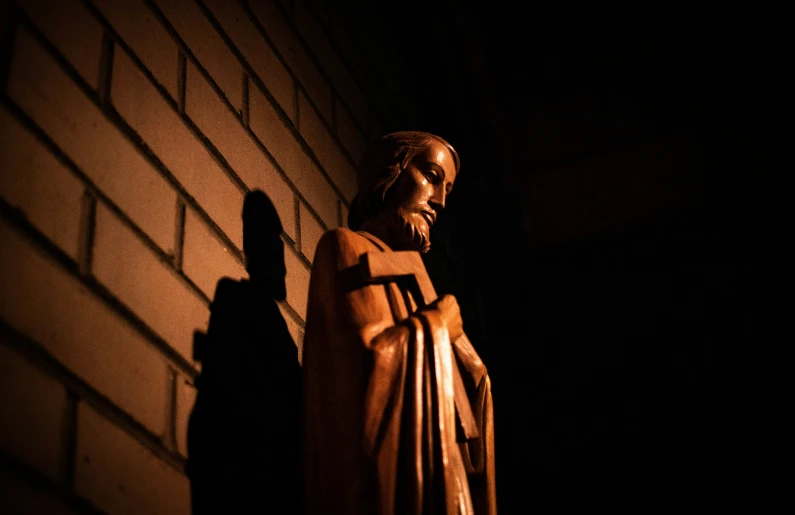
382 429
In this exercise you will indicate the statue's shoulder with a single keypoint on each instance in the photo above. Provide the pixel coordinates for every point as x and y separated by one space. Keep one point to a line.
227 288
342 238
341 234
343 246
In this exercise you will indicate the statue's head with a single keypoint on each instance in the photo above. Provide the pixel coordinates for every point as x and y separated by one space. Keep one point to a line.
404 180
262 244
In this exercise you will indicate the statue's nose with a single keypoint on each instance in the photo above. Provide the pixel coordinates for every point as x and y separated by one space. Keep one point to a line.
438 198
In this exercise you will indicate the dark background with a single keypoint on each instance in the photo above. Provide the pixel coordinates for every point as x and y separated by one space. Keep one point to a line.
611 237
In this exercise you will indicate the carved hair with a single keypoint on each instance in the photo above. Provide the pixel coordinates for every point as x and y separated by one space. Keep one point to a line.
381 165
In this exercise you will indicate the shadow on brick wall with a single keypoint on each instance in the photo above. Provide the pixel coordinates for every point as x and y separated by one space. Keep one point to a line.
244 431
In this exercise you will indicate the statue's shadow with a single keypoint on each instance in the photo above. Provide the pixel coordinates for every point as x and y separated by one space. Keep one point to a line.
244 432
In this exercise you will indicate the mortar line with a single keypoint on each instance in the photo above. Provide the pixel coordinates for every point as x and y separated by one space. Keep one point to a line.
39 357
105 69
179 234
297 211
191 125
8 29
181 81
310 53
20 223
76 504
288 123
222 97
114 117
86 232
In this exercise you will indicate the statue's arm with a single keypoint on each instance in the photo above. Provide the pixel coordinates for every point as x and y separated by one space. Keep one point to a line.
360 310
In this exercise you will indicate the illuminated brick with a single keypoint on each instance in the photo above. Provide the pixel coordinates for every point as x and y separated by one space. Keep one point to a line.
184 155
119 475
139 28
54 309
149 287
109 159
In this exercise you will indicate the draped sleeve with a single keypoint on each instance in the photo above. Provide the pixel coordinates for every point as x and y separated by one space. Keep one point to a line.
378 406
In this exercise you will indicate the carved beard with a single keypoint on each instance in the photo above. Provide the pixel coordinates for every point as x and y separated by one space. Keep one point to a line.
406 232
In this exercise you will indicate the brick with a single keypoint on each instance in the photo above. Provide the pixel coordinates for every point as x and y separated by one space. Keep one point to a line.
149 287
138 27
311 231
119 475
207 45
24 497
300 169
186 398
163 130
32 408
226 132
34 181
330 61
296 331
338 28
271 17
205 258
259 54
349 133
297 281
326 149
117 168
73 30
57 311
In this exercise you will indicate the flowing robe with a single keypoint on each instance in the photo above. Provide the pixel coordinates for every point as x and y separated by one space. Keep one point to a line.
382 431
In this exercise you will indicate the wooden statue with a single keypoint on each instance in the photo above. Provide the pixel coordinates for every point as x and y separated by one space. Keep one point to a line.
397 403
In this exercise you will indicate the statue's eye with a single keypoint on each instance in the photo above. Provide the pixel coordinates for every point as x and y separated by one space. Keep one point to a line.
432 176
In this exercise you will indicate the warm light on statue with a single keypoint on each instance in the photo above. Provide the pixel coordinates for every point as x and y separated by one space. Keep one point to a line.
397 402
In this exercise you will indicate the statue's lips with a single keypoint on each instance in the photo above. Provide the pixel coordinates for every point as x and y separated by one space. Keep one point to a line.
431 217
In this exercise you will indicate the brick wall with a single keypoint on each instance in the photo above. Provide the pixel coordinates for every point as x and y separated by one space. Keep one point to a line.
131 131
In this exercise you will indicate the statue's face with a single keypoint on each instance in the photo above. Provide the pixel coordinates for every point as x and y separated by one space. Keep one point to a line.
419 196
